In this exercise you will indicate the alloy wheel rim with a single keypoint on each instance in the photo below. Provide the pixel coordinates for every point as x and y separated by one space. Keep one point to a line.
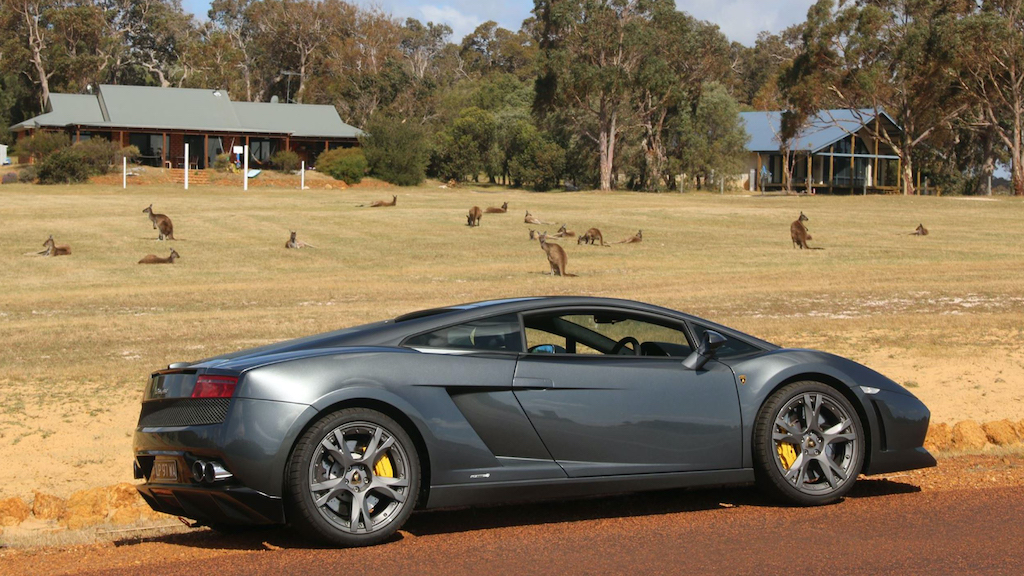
348 478
815 443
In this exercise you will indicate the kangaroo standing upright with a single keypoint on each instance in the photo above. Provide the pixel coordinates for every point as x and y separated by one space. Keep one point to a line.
154 259
53 249
385 203
556 256
921 231
493 210
635 239
593 236
161 223
474 216
798 232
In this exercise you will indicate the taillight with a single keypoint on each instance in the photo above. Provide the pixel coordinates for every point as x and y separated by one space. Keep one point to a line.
214 386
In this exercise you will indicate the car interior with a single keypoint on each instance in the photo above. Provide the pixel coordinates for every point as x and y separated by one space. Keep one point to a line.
607 333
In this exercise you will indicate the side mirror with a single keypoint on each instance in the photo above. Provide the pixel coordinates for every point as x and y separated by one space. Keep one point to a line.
710 344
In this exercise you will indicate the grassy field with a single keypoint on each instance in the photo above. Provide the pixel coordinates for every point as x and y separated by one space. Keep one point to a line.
943 314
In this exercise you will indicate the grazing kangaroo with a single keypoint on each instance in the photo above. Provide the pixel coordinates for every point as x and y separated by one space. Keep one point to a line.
502 210
798 232
53 249
563 233
921 231
531 219
160 222
154 259
474 216
292 243
636 239
593 236
384 203
556 256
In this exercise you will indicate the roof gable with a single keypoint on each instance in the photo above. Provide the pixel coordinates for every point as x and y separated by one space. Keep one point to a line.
181 108
299 120
821 130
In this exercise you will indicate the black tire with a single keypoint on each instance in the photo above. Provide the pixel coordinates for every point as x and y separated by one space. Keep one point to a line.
319 471
825 464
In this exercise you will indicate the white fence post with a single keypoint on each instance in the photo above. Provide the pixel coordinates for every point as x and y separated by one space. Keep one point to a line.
186 166
124 172
245 167
302 183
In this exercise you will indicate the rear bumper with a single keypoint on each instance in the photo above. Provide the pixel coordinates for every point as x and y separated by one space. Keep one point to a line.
229 505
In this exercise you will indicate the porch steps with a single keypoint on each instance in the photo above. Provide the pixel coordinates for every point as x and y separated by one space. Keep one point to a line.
194 176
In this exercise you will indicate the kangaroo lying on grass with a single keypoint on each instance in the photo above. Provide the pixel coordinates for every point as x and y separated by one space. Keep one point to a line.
474 216
384 203
502 210
593 236
534 234
154 259
531 219
556 256
798 232
53 249
563 233
160 222
921 231
636 239
292 243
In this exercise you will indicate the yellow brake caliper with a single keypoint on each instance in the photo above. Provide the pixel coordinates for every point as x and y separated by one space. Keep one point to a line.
383 467
787 454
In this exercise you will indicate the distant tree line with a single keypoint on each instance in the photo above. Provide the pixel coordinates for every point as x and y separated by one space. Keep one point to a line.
596 93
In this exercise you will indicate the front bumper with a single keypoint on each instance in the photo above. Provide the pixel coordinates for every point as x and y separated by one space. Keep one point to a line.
898 436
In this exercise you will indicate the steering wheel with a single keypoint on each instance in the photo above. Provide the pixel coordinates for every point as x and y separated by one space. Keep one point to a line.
622 343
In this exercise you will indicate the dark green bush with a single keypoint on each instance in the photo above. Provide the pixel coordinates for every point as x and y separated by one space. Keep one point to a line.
347 164
396 150
28 174
40 145
285 161
67 166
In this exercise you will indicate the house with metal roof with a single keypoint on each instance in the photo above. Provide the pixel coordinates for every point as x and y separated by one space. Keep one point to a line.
160 121
835 152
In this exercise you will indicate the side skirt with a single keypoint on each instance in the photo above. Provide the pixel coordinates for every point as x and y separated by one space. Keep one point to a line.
455 495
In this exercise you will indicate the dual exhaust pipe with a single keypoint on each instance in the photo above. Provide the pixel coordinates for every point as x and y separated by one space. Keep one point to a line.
209 472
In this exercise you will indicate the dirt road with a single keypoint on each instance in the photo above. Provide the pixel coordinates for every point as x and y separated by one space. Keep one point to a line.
962 518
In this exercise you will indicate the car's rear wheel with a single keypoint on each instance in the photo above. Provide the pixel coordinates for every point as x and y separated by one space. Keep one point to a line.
808 444
353 478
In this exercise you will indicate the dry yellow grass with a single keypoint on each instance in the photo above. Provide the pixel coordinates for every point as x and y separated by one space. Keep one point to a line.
81 333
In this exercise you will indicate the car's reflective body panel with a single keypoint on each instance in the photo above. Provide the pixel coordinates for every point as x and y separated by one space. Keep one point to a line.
502 426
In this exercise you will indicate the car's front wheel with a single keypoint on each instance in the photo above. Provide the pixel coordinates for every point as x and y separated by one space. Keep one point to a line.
353 478
808 444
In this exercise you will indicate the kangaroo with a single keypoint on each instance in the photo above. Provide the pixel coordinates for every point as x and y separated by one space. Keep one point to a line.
53 249
493 210
292 243
474 216
534 234
639 237
921 231
531 219
154 259
384 203
593 236
556 256
798 232
563 233
161 222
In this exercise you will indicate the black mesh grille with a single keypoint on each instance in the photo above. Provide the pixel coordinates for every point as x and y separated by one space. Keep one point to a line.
184 412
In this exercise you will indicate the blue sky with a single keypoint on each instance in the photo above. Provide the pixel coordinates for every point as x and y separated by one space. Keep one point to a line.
740 20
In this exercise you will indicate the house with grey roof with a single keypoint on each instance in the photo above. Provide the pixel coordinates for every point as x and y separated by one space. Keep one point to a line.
160 121
835 152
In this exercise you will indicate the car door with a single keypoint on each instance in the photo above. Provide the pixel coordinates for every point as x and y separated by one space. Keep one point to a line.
611 414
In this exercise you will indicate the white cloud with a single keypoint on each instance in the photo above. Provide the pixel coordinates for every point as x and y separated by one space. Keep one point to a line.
460 22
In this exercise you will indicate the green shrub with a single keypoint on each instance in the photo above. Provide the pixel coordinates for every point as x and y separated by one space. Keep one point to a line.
28 174
347 164
67 166
396 150
222 162
101 155
285 161
40 145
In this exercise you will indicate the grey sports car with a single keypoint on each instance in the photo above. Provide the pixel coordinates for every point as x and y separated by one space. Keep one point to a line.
344 434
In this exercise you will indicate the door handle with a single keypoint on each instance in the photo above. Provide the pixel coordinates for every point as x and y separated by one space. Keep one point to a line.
532 383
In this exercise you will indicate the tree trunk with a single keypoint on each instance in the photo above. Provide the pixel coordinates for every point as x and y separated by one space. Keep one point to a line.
36 44
606 147
908 177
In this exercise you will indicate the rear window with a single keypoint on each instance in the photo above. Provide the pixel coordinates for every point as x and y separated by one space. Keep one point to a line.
498 334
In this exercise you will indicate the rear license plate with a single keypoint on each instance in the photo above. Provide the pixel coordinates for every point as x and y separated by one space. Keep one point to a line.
164 471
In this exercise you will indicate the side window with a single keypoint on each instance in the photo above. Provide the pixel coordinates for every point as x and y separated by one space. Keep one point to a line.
602 333
500 333
732 347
